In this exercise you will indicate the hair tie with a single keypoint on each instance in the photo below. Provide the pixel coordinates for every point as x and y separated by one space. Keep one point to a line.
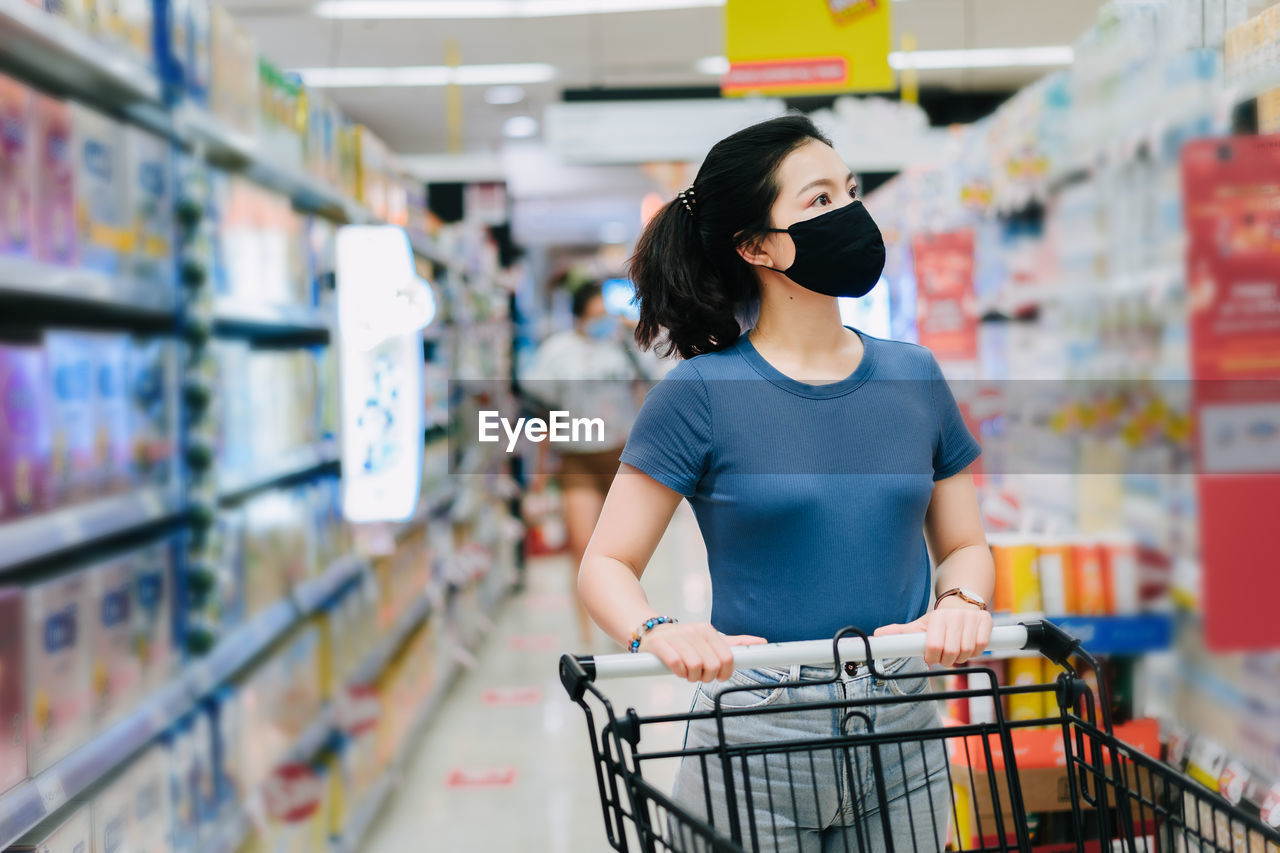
687 199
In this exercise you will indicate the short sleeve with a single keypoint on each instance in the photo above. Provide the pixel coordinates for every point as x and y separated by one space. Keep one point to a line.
672 437
956 447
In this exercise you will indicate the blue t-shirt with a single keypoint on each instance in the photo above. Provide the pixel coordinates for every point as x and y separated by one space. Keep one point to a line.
811 498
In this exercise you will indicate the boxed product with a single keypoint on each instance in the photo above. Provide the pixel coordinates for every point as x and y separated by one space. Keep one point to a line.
193 789
151 204
153 379
74 835
127 24
152 615
148 783
103 218
13 712
25 446
116 672
112 817
55 181
77 461
282 113
112 416
17 169
57 665
233 85
78 13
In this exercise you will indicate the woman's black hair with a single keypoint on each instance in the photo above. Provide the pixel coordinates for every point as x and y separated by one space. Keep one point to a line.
689 278
582 297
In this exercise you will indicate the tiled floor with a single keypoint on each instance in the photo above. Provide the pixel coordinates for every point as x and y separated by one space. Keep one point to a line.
551 804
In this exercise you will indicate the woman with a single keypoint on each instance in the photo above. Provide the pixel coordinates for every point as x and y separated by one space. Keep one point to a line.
814 457
590 372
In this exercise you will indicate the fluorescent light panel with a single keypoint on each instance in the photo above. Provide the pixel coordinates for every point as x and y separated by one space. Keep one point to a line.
411 9
996 57
428 75
933 60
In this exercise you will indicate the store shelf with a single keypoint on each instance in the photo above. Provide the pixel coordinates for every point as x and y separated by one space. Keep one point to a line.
363 818
26 278
1106 635
270 320
286 465
47 50
33 801
376 662
27 539
232 149
313 594
312 739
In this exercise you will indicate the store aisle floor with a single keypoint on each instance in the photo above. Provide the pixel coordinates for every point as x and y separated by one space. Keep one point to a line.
506 765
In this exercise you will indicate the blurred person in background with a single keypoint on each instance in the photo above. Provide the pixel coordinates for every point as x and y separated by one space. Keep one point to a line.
825 467
589 371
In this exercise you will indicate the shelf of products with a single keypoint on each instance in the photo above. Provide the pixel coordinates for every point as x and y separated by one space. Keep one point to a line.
291 464
1104 636
123 294
368 670
23 540
46 48
270 320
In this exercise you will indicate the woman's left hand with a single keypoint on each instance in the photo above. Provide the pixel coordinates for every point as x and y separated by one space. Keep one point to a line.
957 631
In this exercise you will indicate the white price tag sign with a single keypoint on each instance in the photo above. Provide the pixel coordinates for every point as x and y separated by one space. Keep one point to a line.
52 795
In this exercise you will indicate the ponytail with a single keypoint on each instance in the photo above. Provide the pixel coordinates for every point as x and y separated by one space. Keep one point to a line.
679 289
690 280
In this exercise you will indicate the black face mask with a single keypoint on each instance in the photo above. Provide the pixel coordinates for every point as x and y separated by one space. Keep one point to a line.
840 253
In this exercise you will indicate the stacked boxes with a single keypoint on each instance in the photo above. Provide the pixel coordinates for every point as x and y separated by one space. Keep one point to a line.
17 169
103 223
25 449
57 664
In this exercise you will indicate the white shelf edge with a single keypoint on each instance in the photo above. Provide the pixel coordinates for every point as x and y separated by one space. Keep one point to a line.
32 278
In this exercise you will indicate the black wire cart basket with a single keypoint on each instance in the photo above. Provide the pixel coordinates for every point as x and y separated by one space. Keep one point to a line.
927 787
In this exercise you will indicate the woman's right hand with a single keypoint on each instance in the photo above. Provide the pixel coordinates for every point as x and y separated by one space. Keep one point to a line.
695 651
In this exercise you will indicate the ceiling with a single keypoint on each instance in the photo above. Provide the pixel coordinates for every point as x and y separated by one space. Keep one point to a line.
623 50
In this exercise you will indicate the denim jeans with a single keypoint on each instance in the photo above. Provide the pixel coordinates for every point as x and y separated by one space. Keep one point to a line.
822 798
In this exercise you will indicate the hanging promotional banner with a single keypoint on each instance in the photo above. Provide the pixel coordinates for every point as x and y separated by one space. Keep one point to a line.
1231 203
382 308
814 47
946 307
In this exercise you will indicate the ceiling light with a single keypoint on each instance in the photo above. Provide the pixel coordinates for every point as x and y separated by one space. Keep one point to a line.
520 127
999 57
411 9
427 75
504 95
713 66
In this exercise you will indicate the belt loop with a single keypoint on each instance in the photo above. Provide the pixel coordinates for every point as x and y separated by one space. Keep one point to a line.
794 673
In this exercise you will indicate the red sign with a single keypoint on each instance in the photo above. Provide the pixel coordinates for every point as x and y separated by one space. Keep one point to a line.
292 793
1231 201
749 76
513 696
357 709
482 777
946 307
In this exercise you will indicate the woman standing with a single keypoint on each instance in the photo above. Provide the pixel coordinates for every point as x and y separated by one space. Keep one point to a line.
824 466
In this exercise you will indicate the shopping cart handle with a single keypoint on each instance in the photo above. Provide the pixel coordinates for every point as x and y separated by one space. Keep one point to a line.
1042 636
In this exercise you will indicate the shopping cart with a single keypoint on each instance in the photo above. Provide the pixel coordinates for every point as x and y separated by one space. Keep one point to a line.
1110 795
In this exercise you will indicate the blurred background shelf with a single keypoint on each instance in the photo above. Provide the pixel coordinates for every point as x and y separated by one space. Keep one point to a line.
24 540
295 463
20 277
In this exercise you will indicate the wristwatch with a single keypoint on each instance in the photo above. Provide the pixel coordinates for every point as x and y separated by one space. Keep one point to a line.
963 594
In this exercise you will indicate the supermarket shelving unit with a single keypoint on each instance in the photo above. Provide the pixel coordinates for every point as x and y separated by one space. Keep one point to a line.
53 55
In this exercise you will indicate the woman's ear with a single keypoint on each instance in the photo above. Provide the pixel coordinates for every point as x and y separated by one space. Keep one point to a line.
755 253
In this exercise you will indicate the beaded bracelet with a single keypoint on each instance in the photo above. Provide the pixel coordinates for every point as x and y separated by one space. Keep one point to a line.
649 625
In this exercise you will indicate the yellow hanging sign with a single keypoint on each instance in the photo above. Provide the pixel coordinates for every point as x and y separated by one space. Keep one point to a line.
807 47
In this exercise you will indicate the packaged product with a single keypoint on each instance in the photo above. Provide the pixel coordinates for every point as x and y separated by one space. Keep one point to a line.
153 378
228 729
74 835
1120 572
116 672
13 710
78 13
1053 562
102 211
235 415
17 169
192 782
112 817
152 614
151 203
77 461
25 445
57 667
1089 581
54 197
148 783
1019 672
112 416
